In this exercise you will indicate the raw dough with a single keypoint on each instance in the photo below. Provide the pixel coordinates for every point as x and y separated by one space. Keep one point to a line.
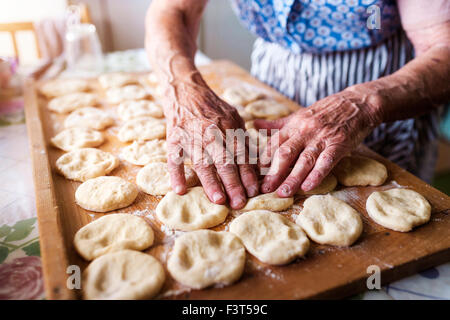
154 178
268 109
240 96
191 211
270 237
128 110
86 163
328 220
398 209
142 129
61 87
89 117
116 79
142 153
360 171
111 233
268 201
76 138
327 185
246 116
204 257
72 101
250 125
129 92
123 275
103 194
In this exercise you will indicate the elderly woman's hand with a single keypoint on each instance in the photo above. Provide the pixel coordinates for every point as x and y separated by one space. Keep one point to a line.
314 139
197 123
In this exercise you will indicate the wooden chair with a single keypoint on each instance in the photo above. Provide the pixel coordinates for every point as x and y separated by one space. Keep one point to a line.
14 27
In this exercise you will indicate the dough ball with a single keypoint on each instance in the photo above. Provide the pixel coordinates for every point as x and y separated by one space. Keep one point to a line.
270 237
72 101
246 116
328 220
142 153
249 125
142 129
86 163
62 87
360 171
154 178
129 92
268 109
268 201
111 233
103 194
116 79
327 185
191 211
204 257
76 138
89 117
132 109
398 209
240 96
123 275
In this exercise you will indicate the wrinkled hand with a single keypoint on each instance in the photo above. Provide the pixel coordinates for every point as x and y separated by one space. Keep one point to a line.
313 140
195 118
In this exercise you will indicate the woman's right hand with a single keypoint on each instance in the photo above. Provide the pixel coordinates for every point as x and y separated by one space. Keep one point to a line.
197 123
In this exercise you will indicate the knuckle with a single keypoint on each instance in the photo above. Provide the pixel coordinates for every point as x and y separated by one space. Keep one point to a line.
287 151
308 158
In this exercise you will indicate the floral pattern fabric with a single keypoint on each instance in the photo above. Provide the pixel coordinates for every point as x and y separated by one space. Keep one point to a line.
20 263
318 26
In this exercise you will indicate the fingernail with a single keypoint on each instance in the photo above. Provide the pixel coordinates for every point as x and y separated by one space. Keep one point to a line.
285 189
217 197
238 203
252 191
178 189
306 186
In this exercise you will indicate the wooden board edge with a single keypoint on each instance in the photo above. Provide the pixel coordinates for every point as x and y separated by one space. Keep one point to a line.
387 276
53 253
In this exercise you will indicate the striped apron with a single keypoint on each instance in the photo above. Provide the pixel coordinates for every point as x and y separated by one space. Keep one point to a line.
307 78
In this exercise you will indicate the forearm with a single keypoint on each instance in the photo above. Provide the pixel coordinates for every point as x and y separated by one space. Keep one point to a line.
413 90
171 30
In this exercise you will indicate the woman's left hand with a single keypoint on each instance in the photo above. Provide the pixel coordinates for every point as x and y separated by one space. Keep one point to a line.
313 140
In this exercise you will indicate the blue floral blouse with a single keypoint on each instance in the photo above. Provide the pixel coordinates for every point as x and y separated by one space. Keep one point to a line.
318 26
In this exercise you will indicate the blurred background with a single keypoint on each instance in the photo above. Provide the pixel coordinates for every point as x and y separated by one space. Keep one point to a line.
32 34
120 26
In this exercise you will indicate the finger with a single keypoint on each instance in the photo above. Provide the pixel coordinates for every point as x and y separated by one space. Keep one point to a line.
270 124
229 175
302 167
245 167
282 160
211 184
325 163
175 166
249 179
268 152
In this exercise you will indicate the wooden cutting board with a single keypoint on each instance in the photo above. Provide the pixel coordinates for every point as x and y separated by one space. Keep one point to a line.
325 272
